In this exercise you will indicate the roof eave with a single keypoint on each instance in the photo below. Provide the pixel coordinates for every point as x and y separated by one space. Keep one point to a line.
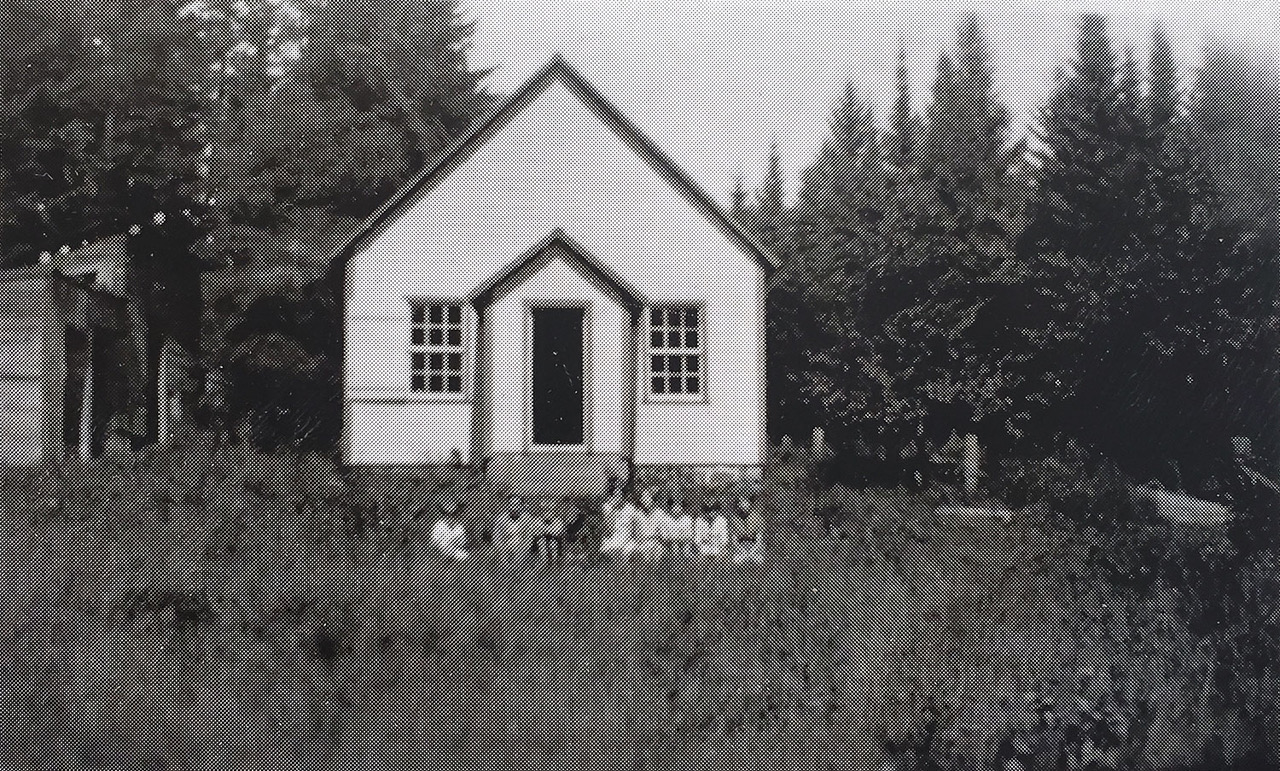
627 295
556 68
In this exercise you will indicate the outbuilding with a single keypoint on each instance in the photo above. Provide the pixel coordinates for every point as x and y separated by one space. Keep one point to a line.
88 356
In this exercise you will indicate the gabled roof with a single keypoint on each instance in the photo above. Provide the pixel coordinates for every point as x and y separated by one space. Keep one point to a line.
544 252
557 70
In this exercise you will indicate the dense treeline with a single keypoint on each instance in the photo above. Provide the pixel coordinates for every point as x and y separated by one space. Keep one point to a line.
239 137
1108 281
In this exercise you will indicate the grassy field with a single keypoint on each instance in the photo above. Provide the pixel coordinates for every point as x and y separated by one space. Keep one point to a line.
147 626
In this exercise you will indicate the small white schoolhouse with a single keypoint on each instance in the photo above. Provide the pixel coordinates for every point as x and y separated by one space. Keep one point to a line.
554 294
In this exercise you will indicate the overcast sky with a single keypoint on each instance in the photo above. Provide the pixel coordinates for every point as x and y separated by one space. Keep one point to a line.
712 82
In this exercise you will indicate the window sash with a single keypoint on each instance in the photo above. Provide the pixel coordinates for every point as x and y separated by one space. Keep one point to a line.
436 349
676 361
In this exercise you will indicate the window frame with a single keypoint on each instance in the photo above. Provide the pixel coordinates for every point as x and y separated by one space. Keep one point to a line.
463 349
683 397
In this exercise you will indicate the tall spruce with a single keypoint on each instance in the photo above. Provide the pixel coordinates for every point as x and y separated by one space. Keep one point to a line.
1235 119
1118 254
1089 86
966 213
820 294
1163 97
770 205
968 124
944 114
1131 97
904 128
898 258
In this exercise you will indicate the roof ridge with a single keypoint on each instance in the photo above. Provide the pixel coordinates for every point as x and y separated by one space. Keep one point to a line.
556 68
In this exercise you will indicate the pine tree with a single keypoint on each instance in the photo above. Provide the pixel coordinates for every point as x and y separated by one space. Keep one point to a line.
943 114
1130 84
770 208
1235 121
904 128
1163 98
1115 248
898 257
1090 85
968 125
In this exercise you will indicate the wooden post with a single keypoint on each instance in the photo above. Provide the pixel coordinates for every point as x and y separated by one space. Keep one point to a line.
971 466
86 400
818 446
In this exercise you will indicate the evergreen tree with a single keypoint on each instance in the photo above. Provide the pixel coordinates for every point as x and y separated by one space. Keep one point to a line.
1235 119
770 207
1118 254
904 125
1163 98
968 124
900 265
1130 84
1090 85
944 113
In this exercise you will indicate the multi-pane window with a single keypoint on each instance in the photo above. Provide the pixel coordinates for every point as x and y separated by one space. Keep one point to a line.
675 352
436 348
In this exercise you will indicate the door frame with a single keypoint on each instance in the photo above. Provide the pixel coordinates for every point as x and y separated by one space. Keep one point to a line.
531 305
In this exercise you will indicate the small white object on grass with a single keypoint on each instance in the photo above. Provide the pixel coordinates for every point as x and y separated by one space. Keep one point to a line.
630 520
684 531
510 527
1183 509
450 536
712 535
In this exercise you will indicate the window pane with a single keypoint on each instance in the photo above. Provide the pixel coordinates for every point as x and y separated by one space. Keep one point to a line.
691 317
655 339
675 385
691 363
691 338
419 361
673 364
437 361
437 314
655 317
455 314
437 336
419 383
659 363
692 385
419 336
673 339
673 318
455 384
419 314
659 385
455 336
455 361
437 383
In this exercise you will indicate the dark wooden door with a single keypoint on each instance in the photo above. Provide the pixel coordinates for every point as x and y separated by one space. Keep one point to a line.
558 406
